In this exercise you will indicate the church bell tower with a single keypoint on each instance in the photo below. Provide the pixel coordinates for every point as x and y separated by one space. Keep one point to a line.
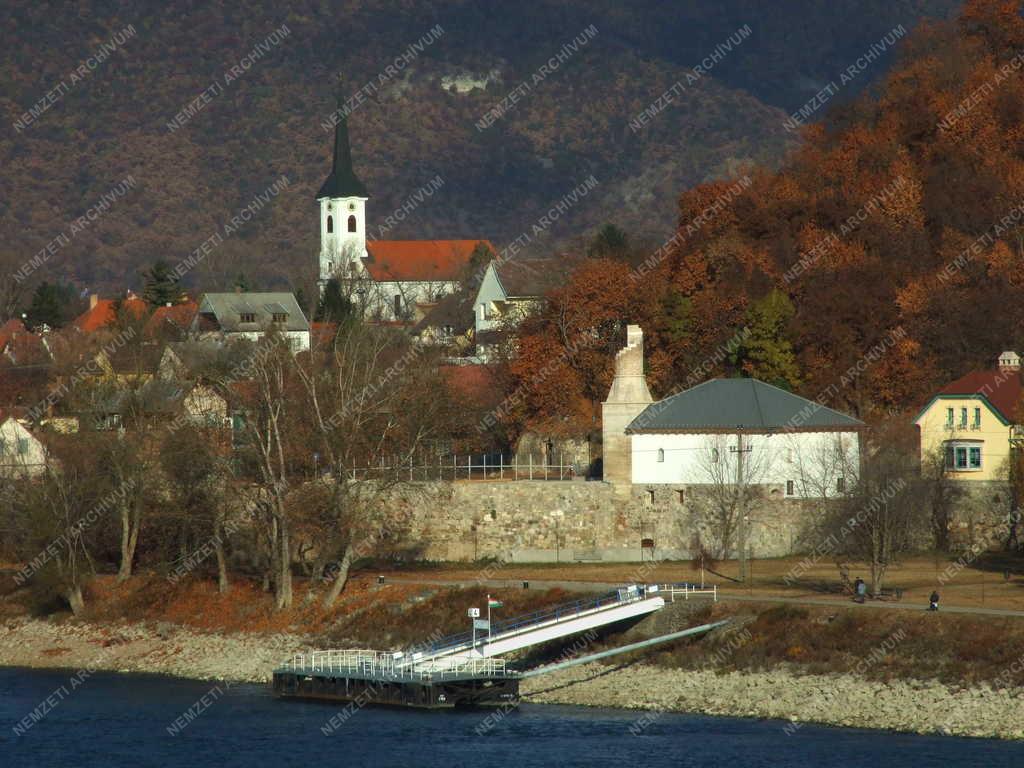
342 199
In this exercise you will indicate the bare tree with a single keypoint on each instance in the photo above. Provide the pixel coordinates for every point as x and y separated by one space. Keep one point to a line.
825 466
273 424
943 495
373 404
59 513
198 473
731 474
884 517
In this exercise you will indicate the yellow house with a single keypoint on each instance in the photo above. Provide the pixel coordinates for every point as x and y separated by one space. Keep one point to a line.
969 422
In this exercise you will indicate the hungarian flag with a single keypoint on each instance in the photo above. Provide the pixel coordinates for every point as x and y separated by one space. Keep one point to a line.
492 603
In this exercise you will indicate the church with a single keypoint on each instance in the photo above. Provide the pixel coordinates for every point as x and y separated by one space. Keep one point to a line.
391 281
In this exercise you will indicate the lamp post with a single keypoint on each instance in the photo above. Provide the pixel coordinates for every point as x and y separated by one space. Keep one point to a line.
739 449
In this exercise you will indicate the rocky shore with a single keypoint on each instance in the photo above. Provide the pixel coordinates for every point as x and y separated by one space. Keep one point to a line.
158 648
844 700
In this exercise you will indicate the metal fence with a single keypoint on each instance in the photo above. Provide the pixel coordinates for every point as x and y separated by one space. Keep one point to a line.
455 468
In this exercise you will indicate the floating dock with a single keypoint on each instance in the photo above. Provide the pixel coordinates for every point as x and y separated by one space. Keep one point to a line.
462 670
376 677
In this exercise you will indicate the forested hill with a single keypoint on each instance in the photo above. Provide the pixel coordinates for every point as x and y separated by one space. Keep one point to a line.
112 121
880 262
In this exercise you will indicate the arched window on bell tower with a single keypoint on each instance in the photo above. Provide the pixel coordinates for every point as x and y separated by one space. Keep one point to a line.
330 224
351 223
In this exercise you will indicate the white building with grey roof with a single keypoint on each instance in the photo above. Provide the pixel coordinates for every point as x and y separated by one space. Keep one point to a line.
246 315
729 431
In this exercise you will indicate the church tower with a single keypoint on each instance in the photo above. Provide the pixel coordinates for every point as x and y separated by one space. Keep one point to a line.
342 200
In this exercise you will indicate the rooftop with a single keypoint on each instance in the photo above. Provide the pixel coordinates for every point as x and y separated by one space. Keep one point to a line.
738 404
420 260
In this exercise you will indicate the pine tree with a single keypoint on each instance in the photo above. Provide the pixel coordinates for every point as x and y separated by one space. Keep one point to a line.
334 306
610 242
52 304
161 285
766 352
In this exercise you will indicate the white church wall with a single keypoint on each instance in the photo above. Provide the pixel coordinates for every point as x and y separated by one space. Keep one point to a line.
340 244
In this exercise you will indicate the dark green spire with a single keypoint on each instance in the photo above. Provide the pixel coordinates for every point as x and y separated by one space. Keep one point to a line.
343 181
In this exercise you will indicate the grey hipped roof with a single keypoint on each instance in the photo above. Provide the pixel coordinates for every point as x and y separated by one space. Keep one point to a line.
225 309
746 404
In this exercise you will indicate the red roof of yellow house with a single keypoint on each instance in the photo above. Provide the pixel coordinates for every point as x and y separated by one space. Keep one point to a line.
419 260
102 313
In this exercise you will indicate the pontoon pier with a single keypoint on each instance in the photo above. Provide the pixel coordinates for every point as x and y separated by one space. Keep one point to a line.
464 670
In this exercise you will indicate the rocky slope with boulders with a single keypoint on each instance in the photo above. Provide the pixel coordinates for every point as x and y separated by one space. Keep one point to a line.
846 700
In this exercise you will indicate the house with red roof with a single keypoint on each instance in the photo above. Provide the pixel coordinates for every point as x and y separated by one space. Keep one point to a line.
971 423
103 312
389 280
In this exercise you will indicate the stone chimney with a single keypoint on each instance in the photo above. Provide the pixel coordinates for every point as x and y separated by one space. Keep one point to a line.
93 300
627 398
1009 361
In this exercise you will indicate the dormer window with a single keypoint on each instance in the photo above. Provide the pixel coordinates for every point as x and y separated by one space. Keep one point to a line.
280 317
247 317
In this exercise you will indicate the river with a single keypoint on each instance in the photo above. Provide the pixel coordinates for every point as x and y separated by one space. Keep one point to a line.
80 720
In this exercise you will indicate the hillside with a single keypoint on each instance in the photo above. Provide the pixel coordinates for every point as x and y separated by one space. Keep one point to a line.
417 125
857 273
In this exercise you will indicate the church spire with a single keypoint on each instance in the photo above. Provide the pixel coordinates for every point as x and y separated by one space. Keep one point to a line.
343 181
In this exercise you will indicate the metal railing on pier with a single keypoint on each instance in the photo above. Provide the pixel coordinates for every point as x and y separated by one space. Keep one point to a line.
687 591
390 666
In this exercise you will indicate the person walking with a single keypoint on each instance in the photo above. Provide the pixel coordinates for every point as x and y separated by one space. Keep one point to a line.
933 601
860 589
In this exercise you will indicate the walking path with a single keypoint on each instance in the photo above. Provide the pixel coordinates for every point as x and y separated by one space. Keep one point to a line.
724 595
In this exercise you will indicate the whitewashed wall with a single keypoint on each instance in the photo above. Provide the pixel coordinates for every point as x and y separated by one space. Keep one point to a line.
812 460
15 462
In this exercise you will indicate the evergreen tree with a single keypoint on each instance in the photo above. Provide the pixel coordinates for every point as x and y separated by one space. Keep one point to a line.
766 352
334 306
161 285
610 242
241 283
53 304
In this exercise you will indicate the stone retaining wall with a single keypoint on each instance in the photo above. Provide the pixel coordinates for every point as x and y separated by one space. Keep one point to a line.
581 520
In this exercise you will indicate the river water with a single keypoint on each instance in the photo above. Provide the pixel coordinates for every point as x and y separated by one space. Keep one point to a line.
78 720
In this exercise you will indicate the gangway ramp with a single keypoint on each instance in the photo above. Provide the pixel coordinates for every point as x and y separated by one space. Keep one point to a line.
543 626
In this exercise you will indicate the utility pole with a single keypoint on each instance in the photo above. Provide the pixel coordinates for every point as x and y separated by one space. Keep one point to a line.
740 449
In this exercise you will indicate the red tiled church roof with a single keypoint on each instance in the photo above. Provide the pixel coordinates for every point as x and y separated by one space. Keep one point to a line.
1002 388
419 260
